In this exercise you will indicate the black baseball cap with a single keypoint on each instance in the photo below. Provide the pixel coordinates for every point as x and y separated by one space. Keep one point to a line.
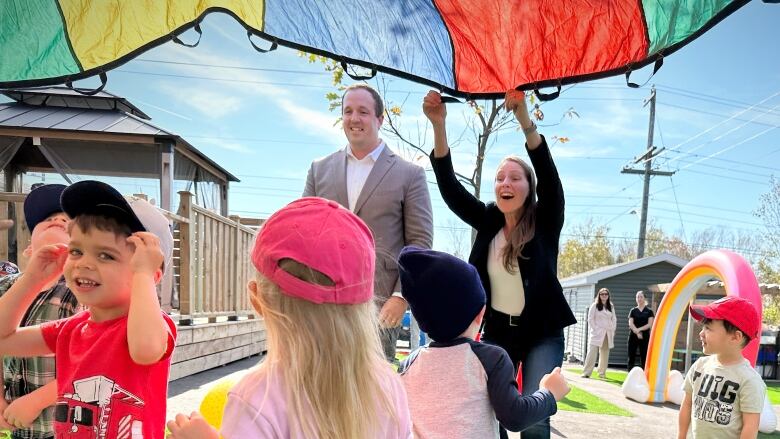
98 198
41 203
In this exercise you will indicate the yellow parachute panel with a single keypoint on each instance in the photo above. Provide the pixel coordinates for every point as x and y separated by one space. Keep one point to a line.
102 34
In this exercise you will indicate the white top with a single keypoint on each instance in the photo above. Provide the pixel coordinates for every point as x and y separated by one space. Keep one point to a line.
357 172
507 294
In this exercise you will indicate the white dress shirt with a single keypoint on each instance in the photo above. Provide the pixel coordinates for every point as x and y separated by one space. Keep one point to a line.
357 172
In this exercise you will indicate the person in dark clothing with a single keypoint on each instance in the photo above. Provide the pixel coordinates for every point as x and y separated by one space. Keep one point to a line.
516 248
640 321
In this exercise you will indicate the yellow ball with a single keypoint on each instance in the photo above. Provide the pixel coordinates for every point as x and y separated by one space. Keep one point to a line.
213 405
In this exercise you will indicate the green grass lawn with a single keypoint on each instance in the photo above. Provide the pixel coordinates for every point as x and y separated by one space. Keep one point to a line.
579 400
613 376
773 390
768 436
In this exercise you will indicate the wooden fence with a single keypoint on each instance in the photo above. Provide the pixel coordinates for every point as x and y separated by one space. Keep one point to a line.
213 263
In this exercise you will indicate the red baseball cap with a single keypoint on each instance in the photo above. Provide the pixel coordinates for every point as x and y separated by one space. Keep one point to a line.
736 310
326 237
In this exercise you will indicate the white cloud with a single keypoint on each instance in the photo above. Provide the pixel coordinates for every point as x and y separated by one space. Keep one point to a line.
210 103
227 145
577 185
568 151
317 123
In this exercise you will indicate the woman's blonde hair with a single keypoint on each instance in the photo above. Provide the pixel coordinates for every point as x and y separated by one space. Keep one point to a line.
526 224
329 357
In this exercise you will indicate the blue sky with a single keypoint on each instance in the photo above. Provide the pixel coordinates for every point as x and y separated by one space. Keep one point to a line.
718 104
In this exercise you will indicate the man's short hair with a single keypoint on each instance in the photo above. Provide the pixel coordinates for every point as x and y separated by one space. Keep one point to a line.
379 106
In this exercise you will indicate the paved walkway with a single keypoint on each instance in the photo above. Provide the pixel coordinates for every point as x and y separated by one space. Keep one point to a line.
185 394
652 420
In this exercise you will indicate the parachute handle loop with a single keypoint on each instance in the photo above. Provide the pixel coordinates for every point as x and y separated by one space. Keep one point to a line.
357 77
274 44
544 97
658 63
88 91
197 28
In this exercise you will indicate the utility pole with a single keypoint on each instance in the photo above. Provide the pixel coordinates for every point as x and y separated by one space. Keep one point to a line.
647 158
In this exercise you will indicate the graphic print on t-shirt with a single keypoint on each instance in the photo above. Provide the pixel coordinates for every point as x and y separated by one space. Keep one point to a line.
714 400
100 409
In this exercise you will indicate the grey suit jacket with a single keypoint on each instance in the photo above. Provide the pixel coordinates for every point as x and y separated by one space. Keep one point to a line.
394 203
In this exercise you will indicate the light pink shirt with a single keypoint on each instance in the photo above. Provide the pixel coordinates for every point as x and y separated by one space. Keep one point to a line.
257 408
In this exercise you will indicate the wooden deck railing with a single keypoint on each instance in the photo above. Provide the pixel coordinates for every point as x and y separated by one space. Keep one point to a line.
213 262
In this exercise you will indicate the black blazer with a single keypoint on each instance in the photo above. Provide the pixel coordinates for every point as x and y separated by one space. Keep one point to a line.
546 310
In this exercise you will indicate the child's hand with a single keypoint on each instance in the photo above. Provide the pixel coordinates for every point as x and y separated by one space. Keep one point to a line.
555 382
148 257
192 427
22 412
4 425
47 262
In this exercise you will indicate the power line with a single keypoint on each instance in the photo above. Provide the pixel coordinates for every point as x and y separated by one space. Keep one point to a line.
760 183
730 147
233 80
696 136
217 66
710 113
730 161
709 165
705 97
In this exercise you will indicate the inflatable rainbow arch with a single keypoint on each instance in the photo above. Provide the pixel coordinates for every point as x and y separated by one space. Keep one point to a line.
738 280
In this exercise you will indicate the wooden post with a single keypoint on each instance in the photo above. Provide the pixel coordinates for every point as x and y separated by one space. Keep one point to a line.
4 233
22 235
187 257
235 284
166 174
223 194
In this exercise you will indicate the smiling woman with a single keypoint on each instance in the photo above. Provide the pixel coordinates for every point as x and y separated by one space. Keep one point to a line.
516 248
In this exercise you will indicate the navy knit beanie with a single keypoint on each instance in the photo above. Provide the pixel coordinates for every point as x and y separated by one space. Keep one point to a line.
444 292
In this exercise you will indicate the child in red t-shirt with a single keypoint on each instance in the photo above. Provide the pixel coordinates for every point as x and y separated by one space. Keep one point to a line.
113 359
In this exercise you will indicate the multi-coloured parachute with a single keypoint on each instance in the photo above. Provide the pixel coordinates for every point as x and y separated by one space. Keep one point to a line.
476 48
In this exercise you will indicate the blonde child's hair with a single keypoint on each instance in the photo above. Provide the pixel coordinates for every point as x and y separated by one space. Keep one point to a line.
329 357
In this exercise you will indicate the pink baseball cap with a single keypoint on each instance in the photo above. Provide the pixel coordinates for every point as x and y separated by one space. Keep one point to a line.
736 310
325 237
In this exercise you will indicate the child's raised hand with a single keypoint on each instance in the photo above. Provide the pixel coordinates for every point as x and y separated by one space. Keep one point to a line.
555 382
22 412
47 262
4 425
148 257
191 427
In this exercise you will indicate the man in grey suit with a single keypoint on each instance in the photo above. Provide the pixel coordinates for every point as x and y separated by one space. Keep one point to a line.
387 192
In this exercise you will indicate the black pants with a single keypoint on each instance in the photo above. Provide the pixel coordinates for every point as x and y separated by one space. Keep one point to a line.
633 343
